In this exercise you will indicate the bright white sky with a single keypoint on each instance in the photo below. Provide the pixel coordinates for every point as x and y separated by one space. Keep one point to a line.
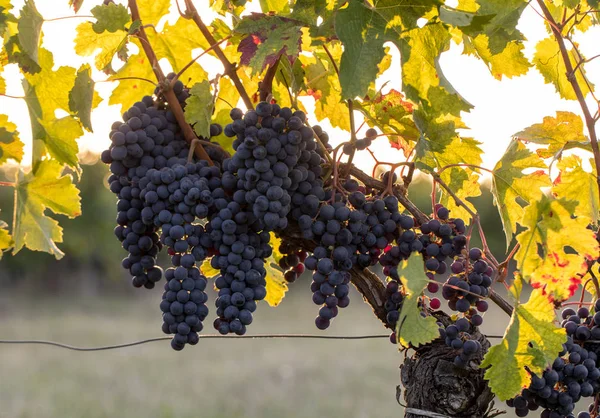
502 108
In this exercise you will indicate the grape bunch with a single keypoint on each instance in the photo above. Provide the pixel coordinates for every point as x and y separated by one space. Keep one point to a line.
292 261
574 374
458 336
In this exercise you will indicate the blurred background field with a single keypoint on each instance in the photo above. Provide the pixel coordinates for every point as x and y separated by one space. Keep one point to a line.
86 299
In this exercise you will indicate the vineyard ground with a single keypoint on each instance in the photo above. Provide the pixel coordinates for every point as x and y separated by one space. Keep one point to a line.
216 378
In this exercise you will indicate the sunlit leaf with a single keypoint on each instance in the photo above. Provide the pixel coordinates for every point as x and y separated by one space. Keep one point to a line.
130 91
413 330
278 6
575 183
549 62
34 194
512 188
6 241
531 342
87 42
11 145
199 108
83 98
152 11
276 284
550 258
208 270
556 132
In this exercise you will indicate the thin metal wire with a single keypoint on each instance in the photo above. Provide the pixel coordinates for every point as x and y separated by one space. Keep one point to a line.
208 337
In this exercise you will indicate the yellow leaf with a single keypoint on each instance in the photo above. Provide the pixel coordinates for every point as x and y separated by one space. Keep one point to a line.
276 284
11 145
87 42
6 240
130 91
574 183
555 247
208 270
549 62
531 341
35 192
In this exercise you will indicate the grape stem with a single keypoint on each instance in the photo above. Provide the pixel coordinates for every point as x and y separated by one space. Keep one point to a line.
230 69
12 97
128 78
188 132
7 184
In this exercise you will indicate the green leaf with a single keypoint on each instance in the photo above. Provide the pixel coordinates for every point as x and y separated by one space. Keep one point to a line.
565 129
83 98
110 18
549 62
512 188
574 183
405 14
10 144
30 30
549 258
199 108
413 330
531 342
362 32
277 6
34 194
87 42
269 38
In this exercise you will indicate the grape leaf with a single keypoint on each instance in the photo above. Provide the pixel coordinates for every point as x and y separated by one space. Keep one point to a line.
278 6
227 95
510 185
276 284
422 78
510 62
30 30
176 43
110 18
10 144
83 98
268 38
208 270
130 91
199 108
549 62
60 136
323 84
76 4
413 330
87 42
392 114
550 258
6 241
152 11
5 15
404 14
362 32
531 341
35 192
574 183
559 132
45 92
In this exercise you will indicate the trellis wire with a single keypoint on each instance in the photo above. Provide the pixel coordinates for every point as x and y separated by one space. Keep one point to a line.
207 337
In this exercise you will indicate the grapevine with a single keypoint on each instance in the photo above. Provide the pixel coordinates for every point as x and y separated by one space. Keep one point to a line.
247 192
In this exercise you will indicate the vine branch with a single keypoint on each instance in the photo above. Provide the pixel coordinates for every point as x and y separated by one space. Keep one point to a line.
188 132
589 119
230 69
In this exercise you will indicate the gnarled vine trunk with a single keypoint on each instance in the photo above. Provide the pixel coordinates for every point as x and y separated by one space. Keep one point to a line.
432 383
